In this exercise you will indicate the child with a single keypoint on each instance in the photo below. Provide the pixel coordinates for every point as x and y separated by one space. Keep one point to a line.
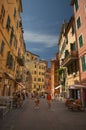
37 101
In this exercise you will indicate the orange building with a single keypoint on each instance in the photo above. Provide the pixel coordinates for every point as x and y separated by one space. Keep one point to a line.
48 81
54 77
12 45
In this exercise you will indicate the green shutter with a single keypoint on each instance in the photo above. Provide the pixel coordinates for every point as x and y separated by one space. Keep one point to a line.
76 5
73 29
78 22
80 41
83 61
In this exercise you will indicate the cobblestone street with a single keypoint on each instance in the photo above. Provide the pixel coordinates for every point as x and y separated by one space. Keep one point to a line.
56 118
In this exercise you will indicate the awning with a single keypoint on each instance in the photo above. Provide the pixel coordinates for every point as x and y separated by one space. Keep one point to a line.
9 76
77 86
58 86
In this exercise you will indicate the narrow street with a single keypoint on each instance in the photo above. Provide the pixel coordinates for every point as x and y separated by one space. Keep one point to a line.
56 118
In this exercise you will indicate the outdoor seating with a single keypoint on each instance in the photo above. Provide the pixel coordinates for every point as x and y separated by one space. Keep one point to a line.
75 105
5 105
68 102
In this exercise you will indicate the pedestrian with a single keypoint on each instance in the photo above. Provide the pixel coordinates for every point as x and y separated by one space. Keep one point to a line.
19 100
49 100
14 99
37 101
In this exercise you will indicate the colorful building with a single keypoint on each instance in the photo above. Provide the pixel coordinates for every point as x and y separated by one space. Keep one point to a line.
30 61
54 76
36 69
48 81
79 9
69 55
12 45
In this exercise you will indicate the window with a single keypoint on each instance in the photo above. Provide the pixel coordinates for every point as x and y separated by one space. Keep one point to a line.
17 24
76 5
2 47
34 72
83 62
11 36
39 79
18 51
73 29
66 40
10 61
73 46
80 41
8 23
35 66
34 79
2 14
78 22
66 53
14 12
15 43
85 8
34 86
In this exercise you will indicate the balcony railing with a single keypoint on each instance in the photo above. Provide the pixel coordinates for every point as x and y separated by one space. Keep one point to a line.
73 55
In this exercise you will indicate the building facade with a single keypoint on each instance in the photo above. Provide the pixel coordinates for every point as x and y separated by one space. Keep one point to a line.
12 45
48 81
79 8
36 69
54 76
30 61
68 52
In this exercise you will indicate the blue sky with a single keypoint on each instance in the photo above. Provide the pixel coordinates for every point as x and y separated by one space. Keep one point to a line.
42 20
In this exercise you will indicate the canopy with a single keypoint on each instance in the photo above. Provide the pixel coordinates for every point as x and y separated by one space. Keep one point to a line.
77 86
58 86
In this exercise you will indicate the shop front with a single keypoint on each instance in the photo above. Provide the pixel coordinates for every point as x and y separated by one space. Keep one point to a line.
78 92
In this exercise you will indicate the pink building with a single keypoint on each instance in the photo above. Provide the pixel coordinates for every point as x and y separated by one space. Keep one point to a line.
79 8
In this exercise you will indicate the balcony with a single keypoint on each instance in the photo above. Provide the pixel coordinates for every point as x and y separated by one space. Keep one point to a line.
71 57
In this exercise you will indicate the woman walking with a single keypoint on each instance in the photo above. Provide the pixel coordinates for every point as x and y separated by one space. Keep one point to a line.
49 100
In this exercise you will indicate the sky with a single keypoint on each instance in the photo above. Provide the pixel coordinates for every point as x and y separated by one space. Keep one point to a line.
42 20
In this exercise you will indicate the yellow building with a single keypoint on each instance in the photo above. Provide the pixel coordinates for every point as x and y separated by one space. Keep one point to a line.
12 45
68 55
36 69
30 60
